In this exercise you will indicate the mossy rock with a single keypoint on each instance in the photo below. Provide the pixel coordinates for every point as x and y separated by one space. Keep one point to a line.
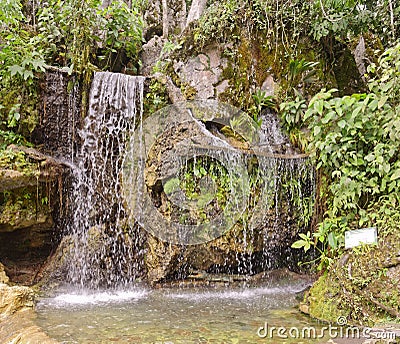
323 299
363 286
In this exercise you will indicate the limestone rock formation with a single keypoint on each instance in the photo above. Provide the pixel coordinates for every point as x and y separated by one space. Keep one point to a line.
270 231
15 298
17 315
31 184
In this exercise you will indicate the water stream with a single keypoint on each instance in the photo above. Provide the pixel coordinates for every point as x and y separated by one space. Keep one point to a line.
176 315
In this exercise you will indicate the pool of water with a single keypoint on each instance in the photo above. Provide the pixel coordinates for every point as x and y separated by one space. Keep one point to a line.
175 315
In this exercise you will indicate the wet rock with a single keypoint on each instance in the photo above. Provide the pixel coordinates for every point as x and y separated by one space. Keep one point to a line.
13 299
60 114
31 185
28 167
304 308
56 266
230 251
161 259
21 328
24 214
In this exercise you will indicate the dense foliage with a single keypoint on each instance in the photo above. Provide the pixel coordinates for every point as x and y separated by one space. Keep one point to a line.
285 21
75 35
355 142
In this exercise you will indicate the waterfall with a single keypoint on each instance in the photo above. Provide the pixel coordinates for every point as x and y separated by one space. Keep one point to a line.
103 247
218 200
186 179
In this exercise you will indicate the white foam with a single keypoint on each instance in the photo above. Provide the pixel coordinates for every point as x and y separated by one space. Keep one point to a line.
94 298
235 294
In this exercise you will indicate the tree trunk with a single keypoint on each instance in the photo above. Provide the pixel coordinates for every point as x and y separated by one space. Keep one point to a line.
196 10
165 18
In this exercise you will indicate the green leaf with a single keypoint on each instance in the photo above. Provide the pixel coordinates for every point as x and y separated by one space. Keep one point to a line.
342 123
373 105
15 69
356 111
304 236
308 113
332 240
28 74
328 117
319 106
395 175
386 168
382 101
171 186
299 244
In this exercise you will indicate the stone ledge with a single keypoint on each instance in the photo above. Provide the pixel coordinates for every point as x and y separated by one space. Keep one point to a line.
44 168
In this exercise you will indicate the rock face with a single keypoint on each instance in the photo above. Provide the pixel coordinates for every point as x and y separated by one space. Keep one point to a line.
61 114
151 52
3 276
26 167
259 240
31 183
17 315
21 328
203 73
362 286
13 299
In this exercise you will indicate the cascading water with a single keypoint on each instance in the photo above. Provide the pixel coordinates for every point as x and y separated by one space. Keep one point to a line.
213 204
104 249
158 173
197 189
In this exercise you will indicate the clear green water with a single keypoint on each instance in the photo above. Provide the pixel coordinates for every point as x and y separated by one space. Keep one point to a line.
173 315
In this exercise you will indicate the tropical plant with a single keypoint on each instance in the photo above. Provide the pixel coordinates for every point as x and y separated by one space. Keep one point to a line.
354 140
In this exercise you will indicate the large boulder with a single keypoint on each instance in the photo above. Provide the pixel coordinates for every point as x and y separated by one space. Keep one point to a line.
363 285
265 230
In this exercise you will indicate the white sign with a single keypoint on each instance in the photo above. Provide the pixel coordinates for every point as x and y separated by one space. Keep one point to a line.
360 236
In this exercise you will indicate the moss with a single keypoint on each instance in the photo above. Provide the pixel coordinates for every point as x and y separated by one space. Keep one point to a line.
240 73
189 92
22 208
324 299
257 57
156 97
17 160
16 206
363 285
346 73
